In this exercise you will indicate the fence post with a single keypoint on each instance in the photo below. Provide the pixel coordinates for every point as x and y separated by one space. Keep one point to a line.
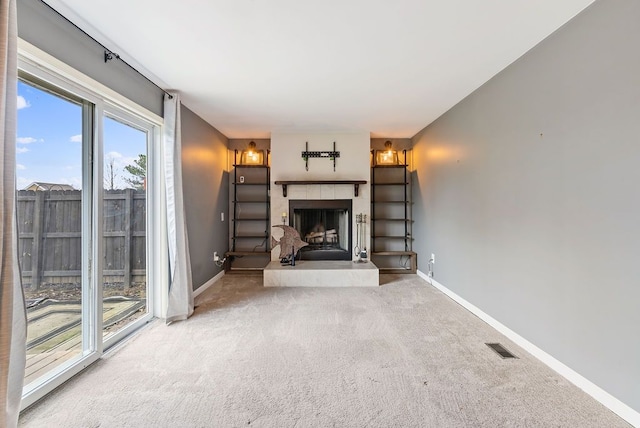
128 208
36 250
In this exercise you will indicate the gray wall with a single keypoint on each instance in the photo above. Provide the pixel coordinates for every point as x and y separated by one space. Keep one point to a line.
398 144
40 26
206 194
242 143
528 193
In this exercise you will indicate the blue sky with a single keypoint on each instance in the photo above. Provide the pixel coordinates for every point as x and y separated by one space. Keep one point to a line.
49 143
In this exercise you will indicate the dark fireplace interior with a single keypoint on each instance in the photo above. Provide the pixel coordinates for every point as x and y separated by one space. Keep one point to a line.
325 225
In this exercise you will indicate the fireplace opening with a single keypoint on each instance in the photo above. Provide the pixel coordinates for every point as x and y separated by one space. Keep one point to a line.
325 225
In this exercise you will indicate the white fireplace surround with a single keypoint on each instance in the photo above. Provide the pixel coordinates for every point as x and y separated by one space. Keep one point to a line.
287 164
280 204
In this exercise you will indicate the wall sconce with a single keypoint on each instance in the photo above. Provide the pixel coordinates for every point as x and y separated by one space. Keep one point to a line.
284 217
388 156
251 156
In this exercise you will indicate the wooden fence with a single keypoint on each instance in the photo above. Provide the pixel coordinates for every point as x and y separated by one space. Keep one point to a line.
50 237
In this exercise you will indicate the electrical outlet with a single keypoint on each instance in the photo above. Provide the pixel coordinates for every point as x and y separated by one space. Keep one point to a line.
222 216
216 258
433 259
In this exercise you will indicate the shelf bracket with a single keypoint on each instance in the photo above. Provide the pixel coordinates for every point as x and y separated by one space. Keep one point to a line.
284 190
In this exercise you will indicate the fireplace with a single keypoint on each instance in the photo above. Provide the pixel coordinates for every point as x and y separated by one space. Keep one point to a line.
325 225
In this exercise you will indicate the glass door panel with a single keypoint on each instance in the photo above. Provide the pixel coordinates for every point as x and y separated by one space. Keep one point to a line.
51 218
124 278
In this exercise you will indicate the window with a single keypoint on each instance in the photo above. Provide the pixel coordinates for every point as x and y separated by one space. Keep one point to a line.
89 243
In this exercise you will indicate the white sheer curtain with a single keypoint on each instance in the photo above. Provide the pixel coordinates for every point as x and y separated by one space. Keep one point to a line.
180 302
13 323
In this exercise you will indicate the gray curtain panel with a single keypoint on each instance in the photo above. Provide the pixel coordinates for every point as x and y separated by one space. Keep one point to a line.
180 302
13 323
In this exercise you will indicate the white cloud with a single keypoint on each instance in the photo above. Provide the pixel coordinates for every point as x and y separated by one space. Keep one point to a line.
21 150
22 103
27 140
76 138
20 166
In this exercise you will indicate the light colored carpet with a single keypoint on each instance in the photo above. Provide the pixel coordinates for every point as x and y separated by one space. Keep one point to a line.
401 355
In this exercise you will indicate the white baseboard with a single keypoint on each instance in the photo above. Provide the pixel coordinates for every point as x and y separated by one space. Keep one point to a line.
615 405
198 291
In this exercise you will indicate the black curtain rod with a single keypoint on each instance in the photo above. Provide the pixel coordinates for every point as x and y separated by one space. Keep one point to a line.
108 53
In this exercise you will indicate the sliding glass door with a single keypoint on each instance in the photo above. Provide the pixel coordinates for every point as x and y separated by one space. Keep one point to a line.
85 180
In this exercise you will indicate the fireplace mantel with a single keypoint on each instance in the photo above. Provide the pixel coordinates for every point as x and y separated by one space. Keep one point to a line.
356 184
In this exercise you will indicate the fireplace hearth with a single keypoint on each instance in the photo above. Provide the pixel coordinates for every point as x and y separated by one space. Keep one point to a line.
325 225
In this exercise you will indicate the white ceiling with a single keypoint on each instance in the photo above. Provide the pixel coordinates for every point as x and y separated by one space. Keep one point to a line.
250 67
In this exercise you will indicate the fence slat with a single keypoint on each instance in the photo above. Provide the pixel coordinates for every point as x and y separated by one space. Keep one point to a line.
128 203
36 260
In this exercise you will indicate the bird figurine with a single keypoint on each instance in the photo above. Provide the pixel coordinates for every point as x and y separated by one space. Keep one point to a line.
290 243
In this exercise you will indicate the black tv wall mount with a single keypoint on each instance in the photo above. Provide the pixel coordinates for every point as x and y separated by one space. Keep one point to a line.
333 155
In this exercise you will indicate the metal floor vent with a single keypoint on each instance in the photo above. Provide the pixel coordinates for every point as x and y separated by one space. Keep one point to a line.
500 350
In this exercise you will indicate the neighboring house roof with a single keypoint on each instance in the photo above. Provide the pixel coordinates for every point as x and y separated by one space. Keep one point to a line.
40 186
